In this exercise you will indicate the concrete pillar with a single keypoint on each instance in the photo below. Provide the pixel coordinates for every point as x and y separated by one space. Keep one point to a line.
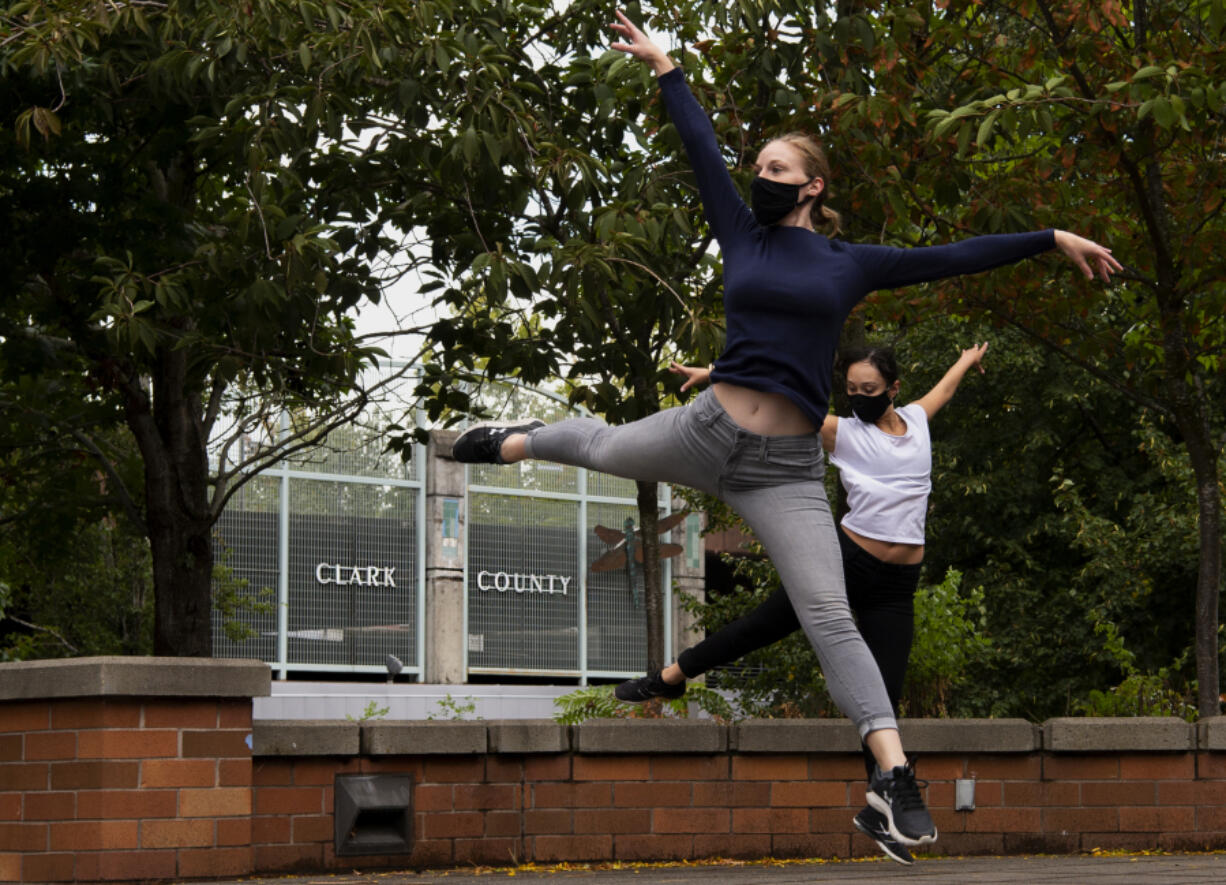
445 556
689 577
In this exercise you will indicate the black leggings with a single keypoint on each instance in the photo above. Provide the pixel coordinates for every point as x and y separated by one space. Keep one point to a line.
881 595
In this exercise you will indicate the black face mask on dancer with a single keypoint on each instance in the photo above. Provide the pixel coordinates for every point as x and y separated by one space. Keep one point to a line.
773 200
869 409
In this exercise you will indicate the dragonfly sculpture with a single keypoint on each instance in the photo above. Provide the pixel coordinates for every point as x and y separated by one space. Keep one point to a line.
626 549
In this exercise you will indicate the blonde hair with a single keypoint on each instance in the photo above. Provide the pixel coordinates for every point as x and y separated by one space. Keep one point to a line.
816 166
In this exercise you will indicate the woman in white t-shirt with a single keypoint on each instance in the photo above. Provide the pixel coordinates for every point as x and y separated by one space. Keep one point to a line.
884 456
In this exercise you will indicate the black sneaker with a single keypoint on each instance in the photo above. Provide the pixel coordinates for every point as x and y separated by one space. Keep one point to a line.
872 823
636 691
481 443
896 795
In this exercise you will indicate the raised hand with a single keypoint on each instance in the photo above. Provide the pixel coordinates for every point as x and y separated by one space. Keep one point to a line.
1087 255
693 374
640 46
973 356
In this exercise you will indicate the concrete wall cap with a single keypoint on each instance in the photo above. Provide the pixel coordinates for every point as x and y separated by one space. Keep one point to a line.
117 676
423 738
795 736
528 736
1211 733
1111 734
305 737
969 735
650 736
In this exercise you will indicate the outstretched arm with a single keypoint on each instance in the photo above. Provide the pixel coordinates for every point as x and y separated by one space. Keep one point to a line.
1087 255
943 392
640 46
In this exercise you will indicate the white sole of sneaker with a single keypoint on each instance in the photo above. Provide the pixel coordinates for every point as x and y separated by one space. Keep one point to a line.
884 807
891 849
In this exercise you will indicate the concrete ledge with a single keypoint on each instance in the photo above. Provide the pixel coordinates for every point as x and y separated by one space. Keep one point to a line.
650 736
969 735
794 736
423 738
1103 734
305 737
116 676
528 736
1211 734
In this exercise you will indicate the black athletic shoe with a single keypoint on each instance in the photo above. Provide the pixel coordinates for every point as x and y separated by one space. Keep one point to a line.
480 444
896 795
636 691
872 823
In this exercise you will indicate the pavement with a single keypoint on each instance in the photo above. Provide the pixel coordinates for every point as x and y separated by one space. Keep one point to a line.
1135 869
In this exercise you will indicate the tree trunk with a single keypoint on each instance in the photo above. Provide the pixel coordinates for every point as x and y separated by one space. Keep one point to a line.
168 431
653 587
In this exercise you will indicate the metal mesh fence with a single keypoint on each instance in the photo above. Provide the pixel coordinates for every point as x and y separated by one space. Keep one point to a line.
616 618
245 544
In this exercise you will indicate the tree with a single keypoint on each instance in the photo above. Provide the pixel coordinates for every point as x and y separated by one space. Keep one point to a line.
189 195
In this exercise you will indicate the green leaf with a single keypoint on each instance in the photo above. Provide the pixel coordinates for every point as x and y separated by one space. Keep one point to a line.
1148 71
985 128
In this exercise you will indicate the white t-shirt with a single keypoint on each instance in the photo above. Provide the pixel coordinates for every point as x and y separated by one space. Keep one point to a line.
887 478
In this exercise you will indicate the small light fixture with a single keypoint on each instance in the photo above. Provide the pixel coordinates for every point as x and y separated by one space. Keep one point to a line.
373 814
964 794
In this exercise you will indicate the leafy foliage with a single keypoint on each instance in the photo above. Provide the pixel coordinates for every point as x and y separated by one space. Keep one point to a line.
599 702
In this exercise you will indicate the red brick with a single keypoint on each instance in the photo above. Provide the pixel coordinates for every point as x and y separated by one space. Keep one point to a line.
281 858
95 775
732 794
554 822
1041 843
732 845
10 806
770 768
180 713
51 806
1005 768
269 773
1157 766
941 793
216 744
649 847
177 833
120 744
504 769
448 825
836 768
11 747
498 851
1161 820
23 776
966 843
270 830
652 795
234 714
95 713
49 868
690 820
1021 794
947 820
832 820
218 802
288 800
1192 841
10 867
1211 766
483 797
52 745
234 773
234 831
800 845
572 795
546 848
611 768
613 821
1211 819
809 794
1002 820
313 828
987 793
433 797
690 768
317 772
1080 768
126 804
453 770
1119 841
414 765
178 773
215 862
503 823
546 768
94 835
1080 820
430 853
1119 793
19 716
772 820
23 837
131 865
937 767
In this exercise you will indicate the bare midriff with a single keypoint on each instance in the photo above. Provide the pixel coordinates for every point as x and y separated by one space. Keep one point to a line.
766 414
888 551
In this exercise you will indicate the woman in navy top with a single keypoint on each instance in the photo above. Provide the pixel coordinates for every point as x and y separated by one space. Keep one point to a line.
751 438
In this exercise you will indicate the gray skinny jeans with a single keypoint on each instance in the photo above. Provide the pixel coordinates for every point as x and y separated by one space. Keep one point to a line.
775 484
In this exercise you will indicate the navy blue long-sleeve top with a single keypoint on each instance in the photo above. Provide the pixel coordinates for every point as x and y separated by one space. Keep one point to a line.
788 290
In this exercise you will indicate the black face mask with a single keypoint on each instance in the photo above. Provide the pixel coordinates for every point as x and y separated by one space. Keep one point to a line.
773 200
869 409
